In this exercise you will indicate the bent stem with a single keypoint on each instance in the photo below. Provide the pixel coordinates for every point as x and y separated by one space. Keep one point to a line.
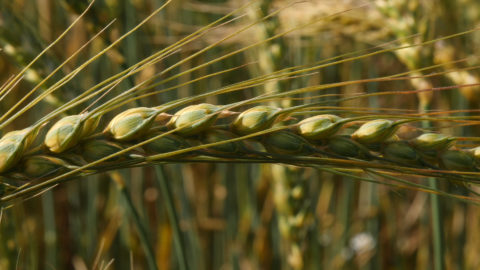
142 233
162 182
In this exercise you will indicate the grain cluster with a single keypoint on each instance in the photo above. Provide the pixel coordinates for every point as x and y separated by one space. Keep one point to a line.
258 134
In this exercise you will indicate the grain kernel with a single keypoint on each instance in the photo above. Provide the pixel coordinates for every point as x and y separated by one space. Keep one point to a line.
458 160
255 119
432 142
12 147
287 143
68 131
194 119
375 131
165 144
132 123
95 149
319 127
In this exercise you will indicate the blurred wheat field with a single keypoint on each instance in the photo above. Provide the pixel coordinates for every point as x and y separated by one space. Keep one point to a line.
185 212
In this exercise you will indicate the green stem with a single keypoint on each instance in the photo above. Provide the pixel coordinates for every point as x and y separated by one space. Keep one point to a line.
172 215
435 209
437 227
50 231
142 233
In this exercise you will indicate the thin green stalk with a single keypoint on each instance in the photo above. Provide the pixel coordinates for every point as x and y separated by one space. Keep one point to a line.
412 62
91 214
437 228
435 209
50 231
142 233
372 196
165 189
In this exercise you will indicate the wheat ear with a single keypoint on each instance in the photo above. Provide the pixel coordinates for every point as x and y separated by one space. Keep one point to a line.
134 138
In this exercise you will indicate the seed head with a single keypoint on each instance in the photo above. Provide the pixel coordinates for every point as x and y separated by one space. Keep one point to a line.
346 147
166 143
255 119
217 135
458 160
375 131
89 126
132 123
319 127
12 147
287 143
95 149
194 119
432 142
402 152
40 165
68 131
